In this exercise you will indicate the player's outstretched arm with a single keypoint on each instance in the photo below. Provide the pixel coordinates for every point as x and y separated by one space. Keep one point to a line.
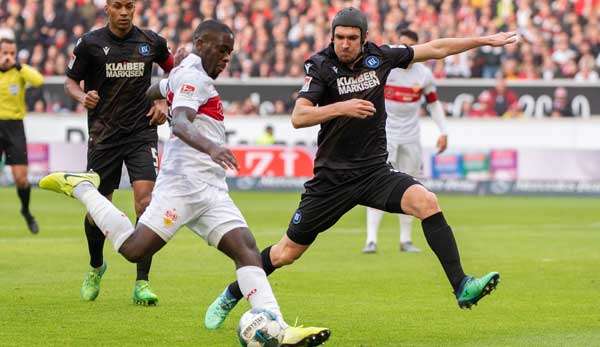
441 48
183 128
306 114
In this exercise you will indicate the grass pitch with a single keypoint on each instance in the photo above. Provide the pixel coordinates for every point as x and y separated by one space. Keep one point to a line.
546 249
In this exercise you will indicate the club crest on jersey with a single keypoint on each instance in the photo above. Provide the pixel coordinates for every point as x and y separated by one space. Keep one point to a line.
297 217
170 217
372 62
364 81
144 49
306 85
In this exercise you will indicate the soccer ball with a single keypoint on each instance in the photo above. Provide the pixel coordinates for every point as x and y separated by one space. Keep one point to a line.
260 328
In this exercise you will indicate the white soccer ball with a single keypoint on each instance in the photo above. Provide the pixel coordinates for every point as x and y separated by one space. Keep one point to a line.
260 328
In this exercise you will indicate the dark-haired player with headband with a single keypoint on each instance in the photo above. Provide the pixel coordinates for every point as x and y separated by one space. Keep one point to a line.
343 92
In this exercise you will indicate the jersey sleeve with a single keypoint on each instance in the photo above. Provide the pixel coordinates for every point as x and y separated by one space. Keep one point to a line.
400 56
314 86
163 57
188 91
77 67
429 88
163 86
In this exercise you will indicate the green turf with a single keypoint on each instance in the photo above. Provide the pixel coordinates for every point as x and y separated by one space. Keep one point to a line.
547 251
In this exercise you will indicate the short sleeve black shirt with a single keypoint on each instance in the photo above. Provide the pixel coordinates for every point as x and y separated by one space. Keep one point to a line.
120 70
345 142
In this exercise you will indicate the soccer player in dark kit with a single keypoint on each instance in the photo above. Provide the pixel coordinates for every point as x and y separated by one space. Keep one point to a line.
343 92
115 65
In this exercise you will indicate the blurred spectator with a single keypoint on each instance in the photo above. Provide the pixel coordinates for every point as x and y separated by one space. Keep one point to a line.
502 100
586 74
561 107
484 107
267 137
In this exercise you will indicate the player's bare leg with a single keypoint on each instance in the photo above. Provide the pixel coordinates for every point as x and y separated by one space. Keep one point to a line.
142 294
423 204
19 173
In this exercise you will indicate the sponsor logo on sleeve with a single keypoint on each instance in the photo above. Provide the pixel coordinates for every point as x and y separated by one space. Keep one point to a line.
297 217
187 90
306 85
307 67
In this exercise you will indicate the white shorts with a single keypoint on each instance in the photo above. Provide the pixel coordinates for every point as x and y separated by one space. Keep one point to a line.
177 201
406 158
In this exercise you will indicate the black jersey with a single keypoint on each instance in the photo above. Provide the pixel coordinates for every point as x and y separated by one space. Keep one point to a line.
345 142
120 70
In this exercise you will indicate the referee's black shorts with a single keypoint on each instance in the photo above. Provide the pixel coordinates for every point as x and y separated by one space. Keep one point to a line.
140 159
332 193
13 142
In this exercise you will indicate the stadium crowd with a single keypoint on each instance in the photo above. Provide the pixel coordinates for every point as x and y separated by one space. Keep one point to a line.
561 38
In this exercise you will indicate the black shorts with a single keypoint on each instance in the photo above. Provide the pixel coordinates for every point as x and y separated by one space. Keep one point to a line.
13 142
330 194
140 158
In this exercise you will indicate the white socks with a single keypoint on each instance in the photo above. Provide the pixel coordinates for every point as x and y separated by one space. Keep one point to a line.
256 289
405 228
373 219
113 223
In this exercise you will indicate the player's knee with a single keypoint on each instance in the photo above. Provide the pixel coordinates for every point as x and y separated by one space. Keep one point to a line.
285 256
428 205
21 181
141 204
132 254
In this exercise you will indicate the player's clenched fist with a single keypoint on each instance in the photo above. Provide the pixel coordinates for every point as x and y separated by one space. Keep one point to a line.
90 99
223 157
357 108
157 113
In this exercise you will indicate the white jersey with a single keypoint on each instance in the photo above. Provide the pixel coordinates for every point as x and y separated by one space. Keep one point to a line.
188 85
403 92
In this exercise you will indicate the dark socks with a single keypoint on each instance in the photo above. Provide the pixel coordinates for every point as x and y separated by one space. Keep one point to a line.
95 240
143 267
441 240
234 288
24 194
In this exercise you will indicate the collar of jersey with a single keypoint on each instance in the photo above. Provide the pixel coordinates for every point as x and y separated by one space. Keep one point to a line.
193 60
115 37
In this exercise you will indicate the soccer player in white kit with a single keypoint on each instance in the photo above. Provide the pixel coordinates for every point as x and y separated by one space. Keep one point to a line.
190 189
404 91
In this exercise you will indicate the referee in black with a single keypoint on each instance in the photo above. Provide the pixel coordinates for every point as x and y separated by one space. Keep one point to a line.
343 92
115 65
14 78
